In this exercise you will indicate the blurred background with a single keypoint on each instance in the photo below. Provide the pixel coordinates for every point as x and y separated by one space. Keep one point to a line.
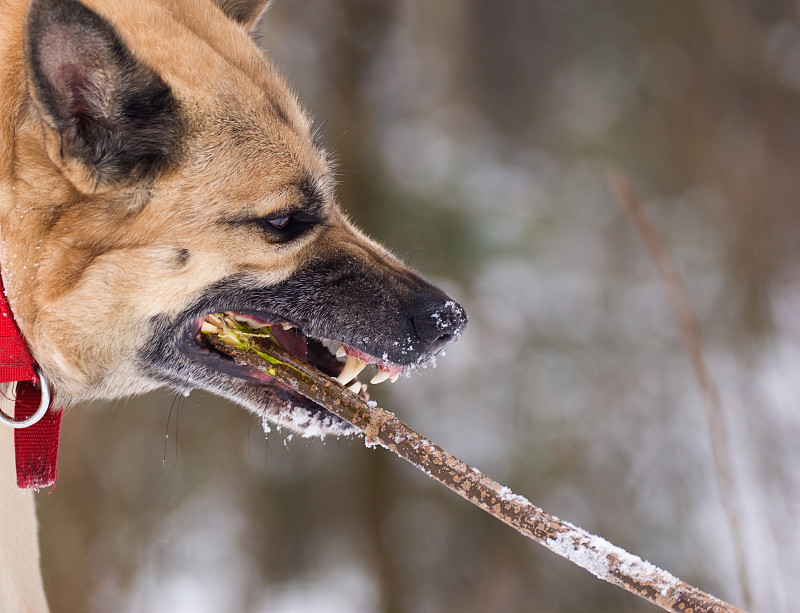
475 139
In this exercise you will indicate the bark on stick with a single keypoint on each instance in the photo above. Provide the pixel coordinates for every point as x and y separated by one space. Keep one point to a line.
382 428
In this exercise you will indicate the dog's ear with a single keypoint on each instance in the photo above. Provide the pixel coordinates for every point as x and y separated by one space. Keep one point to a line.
246 12
113 119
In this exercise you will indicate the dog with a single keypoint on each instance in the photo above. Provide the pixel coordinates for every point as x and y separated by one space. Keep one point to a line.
155 169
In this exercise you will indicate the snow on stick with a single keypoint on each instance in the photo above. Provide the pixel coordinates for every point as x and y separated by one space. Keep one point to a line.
381 428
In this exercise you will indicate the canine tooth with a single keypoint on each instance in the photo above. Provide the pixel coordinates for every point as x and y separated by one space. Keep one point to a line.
380 376
352 367
340 352
287 326
208 327
394 378
356 387
360 366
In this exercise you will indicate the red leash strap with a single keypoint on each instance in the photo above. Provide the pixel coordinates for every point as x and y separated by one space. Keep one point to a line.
35 446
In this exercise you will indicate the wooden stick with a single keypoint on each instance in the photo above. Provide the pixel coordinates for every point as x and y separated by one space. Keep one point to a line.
382 428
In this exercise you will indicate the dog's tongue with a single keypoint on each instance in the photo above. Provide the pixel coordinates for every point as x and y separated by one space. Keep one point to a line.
292 341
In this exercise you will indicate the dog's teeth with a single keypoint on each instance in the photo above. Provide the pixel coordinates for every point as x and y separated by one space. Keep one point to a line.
287 326
360 366
209 328
380 376
352 367
215 320
356 387
394 378
340 352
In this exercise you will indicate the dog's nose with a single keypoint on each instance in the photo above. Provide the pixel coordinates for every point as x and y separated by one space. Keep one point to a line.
438 322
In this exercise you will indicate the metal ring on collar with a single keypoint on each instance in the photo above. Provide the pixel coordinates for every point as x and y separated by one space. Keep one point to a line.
43 406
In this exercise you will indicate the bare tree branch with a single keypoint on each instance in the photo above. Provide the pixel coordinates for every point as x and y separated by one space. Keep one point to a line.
382 428
690 333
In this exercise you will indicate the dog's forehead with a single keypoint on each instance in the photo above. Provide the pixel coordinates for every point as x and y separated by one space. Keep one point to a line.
219 70
244 124
251 157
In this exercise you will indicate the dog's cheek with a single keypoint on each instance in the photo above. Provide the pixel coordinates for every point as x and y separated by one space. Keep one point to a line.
87 335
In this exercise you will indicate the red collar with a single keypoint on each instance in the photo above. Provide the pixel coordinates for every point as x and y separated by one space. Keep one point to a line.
36 445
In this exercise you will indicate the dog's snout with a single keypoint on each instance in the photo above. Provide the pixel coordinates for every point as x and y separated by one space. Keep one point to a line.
438 322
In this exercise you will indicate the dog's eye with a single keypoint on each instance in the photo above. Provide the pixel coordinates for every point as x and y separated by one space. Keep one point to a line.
280 222
287 226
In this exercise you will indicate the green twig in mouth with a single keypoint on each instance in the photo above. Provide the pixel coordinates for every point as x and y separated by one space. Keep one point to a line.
258 348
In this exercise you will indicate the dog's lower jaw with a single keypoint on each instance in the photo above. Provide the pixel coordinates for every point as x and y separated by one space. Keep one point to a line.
278 405
296 416
257 393
285 411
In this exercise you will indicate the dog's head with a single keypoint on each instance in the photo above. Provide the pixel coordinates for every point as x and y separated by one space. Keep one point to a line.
162 172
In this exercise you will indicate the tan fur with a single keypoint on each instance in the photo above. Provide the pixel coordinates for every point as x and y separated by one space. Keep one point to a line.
99 252
92 261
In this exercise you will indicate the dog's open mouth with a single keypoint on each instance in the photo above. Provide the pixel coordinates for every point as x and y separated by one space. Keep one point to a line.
337 360
397 337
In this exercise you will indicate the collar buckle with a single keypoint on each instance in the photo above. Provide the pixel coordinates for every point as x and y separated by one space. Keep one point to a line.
38 414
